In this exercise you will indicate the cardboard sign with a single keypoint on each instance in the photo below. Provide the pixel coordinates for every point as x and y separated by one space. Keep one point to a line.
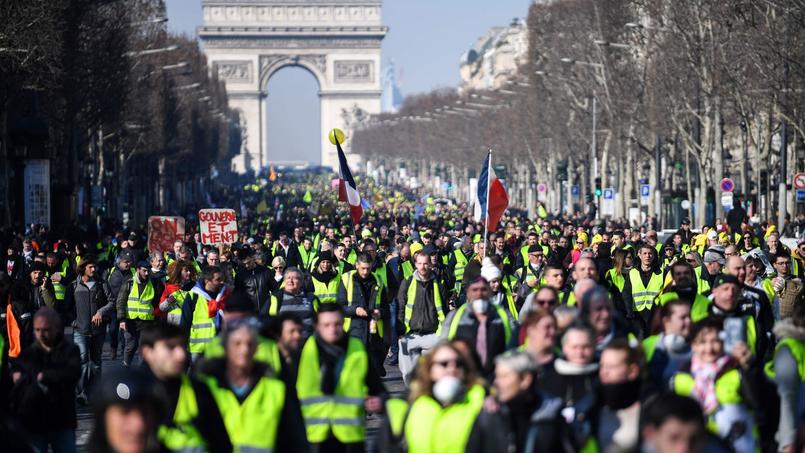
163 231
218 226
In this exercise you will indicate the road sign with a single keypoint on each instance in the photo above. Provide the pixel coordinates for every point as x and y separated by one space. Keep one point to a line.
800 195
542 187
574 190
799 181
727 185
685 204
726 199
645 190
609 193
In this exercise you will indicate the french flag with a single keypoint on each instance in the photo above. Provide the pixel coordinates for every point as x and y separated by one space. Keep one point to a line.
347 189
492 197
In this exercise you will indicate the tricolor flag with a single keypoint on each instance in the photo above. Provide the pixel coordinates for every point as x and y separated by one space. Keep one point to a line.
347 189
492 197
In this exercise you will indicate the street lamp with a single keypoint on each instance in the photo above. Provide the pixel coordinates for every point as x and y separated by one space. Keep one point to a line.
566 60
189 87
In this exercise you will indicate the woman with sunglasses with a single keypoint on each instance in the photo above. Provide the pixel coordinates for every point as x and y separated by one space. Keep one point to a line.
446 397
755 271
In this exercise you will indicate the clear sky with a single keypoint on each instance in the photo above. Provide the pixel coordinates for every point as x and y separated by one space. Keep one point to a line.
426 40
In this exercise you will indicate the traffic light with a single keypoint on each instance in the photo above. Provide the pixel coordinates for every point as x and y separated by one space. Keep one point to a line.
764 181
598 187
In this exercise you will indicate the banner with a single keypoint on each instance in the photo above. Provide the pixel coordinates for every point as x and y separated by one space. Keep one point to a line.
37 191
163 231
218 226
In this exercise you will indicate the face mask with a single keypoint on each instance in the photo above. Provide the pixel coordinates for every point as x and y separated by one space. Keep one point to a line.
480 305
446 389
674 343
621 395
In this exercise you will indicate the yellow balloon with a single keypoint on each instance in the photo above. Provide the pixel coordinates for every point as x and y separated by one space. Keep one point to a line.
339 134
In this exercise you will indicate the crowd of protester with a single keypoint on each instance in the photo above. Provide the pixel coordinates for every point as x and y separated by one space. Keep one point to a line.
546 334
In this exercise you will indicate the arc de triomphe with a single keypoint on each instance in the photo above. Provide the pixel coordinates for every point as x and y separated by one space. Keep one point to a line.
338 41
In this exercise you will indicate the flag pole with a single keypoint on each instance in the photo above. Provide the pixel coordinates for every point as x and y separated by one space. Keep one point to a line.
486 214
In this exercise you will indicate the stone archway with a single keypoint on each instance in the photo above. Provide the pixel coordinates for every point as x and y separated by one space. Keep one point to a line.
338 41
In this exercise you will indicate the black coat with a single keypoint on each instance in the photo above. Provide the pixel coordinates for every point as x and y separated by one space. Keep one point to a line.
257 283
530 423
359 326
48 405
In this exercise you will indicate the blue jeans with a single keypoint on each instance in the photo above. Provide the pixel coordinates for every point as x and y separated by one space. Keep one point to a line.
91 349
60 441
393 307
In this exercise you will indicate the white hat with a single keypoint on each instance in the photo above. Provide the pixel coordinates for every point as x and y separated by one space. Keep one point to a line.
489 271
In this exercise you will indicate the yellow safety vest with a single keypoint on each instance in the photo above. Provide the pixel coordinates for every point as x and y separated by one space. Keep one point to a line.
431 428
460 317
797 349
306 256
181 435
349 282
202 329
342 412
325 291
458 271
407 269
139 305
253 424
643 296
409 304
267 352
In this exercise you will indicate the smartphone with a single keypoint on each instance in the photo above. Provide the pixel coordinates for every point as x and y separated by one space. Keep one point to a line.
734 332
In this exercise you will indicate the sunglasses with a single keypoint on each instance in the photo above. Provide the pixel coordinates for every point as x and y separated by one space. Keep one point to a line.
276 268
458 364
546 302
691 261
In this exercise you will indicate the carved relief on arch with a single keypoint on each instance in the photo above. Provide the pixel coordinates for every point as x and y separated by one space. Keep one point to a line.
316 63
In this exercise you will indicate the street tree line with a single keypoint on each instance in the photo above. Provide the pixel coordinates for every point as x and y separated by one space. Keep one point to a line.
715 88
121 106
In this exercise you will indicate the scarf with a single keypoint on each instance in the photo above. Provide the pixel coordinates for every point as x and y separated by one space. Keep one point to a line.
704 375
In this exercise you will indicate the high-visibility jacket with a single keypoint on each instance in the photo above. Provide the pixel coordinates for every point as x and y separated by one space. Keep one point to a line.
797 349
643 296
341 413
411 299
202 329
462 317
458 270
616 278
526 273
431 428
267 352
348 281
306 257
325 291
407 269
381 273
58 287
139 305
181 434
702 285
508 299
731 408
396 413
253 424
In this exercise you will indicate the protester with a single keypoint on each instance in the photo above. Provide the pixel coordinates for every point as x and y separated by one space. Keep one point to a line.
45 376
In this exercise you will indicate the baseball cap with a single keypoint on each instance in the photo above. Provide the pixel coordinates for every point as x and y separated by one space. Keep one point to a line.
723 279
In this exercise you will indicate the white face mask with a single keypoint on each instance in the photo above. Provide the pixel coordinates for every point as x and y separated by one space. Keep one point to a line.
446 389
479 305
673 342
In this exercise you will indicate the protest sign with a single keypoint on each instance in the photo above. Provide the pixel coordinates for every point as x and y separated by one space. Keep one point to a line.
163 231
218 226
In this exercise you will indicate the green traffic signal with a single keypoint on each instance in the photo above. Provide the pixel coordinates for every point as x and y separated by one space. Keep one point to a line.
598 192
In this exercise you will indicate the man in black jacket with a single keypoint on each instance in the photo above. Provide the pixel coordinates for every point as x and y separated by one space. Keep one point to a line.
119 275
45 376
28 295
89 304
253 279
164 350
